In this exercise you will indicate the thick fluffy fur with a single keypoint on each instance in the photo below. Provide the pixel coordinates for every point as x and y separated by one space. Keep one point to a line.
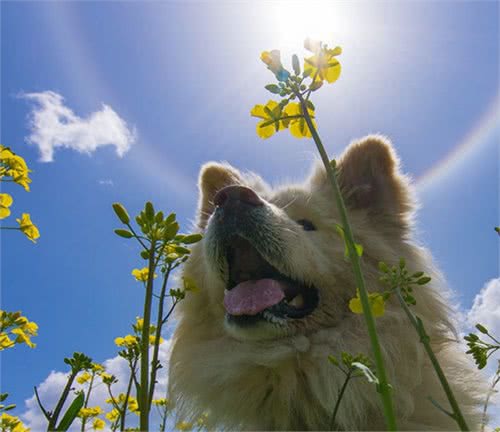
280 379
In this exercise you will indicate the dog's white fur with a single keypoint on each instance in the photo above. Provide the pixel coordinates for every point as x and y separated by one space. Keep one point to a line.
270 379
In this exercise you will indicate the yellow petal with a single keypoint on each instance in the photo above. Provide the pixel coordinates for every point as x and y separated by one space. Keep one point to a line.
4 212
5 200
332 73
266 131
355 305
258 111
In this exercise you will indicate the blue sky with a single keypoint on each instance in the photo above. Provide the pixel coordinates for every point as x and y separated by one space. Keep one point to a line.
184 76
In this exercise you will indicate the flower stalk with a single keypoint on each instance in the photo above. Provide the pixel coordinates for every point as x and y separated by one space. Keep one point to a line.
384 387
425 340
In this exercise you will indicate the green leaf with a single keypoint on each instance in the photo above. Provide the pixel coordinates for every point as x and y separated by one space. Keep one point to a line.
3 396
9 407
423 280
71 413
417 275
121 213
144 254
497 229
296 64
402 263
123 233
273 88
191 238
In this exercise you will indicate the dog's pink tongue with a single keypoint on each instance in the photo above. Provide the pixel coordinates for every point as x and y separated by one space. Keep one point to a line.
251 297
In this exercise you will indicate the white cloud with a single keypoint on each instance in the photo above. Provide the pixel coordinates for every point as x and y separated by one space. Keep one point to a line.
486 311
54 125
486 307
50 390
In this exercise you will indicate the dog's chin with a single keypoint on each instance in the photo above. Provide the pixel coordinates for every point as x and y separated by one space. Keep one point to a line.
257 330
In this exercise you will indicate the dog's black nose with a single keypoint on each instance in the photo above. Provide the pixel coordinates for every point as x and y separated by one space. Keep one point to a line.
234 194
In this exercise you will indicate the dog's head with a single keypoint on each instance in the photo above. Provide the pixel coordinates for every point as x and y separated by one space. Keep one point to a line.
272 261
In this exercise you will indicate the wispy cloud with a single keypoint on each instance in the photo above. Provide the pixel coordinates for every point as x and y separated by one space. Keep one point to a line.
50 390
106 182
54 125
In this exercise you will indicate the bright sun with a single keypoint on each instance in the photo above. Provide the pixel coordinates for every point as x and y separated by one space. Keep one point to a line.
329 21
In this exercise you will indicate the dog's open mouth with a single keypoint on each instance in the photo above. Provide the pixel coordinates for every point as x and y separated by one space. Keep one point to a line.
258 291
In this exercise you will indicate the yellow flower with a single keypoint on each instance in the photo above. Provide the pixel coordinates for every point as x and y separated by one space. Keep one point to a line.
152 339
133 405
5 341
162 402
139 323
28 228
83 378
127 341
184 426
113 415
97 368
5 202
98 424
14 166
298 125
273 61
377 304
86 413
11 423
271 122
22 337
322 65
142 274
107 378
31 328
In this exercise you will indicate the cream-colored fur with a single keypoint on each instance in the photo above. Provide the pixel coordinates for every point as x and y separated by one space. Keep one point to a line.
279 378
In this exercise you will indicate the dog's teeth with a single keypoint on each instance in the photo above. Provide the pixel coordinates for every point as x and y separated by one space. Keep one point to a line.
297 302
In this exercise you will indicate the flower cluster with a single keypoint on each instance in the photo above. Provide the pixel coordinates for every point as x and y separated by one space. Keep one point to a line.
10 423
16 329
13 168
275 116
480 349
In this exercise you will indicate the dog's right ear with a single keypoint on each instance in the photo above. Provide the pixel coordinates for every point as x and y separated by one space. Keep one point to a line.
213 177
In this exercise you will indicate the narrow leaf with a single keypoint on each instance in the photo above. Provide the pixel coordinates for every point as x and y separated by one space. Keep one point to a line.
71 413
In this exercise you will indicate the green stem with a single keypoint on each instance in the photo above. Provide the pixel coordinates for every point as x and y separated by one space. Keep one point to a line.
159 325
10 228
339 398
384 387
424 338
143 399
62 399
127 394
87 397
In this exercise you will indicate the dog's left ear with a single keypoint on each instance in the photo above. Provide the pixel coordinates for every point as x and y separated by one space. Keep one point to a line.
370 178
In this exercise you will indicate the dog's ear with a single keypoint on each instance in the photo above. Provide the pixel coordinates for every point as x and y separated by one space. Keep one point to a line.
213 177
370 178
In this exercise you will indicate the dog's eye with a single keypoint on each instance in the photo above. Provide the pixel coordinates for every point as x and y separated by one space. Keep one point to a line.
307 225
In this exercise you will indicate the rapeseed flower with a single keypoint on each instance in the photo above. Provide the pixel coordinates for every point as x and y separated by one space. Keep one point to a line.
377 304
5 202
271 122
322 65
298 126
141 275
28 228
